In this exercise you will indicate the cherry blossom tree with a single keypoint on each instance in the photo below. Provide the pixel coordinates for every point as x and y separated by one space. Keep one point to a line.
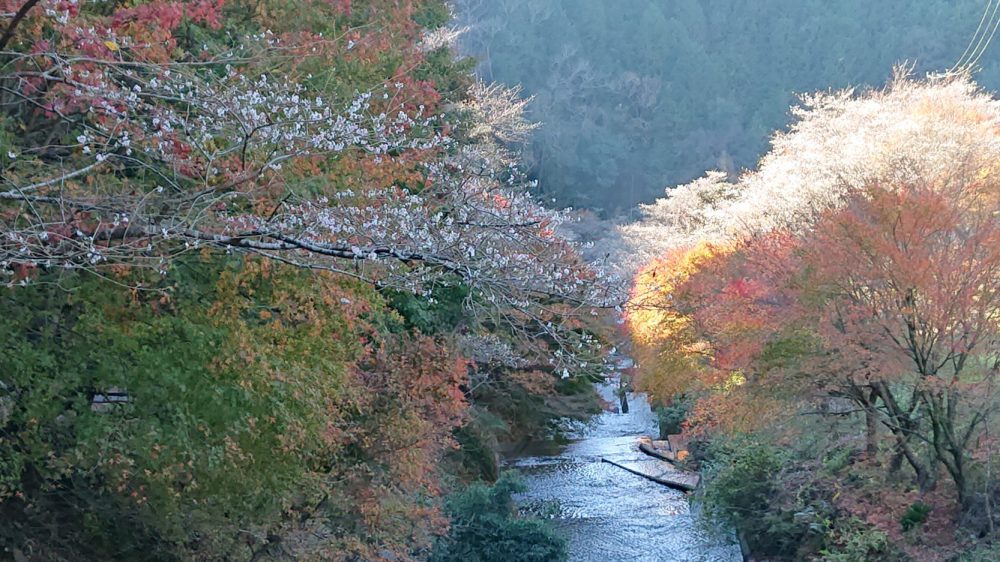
132 156
839 142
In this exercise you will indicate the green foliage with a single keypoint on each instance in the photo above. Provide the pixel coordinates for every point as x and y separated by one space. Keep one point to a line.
915 516
838 459
741 484
787 350
476 456
486 528
741 474
450 75
576 386
442 312
251 389
432 15
527 413
853 541
197 443
523 412
980 553
671 418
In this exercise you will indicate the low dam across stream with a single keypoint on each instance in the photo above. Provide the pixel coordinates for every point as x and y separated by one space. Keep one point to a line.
607 513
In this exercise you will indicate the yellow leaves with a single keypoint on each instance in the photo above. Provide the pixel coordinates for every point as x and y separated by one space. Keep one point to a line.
736 379
111 45
665 373
736 412
655 293
667 346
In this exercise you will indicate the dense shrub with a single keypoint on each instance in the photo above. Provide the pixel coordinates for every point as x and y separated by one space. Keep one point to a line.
915 516
982 553
853 541
486 528
740 491
252 414
671 417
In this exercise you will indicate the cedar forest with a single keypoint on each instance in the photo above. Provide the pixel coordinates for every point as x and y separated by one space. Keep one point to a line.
280 279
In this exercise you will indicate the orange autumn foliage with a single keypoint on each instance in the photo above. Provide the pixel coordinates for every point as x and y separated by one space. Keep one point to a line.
670 355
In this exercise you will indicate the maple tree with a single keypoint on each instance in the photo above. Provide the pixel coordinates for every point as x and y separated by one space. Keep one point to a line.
913 314
667 346
853 276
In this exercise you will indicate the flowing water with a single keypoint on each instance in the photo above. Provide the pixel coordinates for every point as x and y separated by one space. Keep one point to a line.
608 514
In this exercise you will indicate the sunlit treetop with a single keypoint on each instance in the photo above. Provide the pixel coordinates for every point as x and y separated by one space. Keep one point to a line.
938 130
672 358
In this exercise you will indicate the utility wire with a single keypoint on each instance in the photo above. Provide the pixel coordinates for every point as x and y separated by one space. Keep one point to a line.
985 45
970 58
982 20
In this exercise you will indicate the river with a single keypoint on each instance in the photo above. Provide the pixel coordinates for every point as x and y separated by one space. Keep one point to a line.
607 514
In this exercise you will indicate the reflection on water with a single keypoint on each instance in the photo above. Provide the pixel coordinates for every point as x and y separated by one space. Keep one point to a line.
608 514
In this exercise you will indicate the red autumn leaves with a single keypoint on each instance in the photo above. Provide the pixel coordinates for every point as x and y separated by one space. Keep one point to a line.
882 291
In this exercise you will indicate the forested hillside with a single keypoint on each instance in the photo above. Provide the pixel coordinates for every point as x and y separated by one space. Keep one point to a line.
270 286
635 96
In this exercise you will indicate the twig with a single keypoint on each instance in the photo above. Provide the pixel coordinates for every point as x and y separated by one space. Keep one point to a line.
9 32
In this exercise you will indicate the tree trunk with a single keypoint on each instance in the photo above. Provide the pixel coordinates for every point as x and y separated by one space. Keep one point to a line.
902 426
871 428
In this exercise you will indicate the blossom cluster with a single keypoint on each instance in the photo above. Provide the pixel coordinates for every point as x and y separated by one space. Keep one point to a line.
213 139
840 142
